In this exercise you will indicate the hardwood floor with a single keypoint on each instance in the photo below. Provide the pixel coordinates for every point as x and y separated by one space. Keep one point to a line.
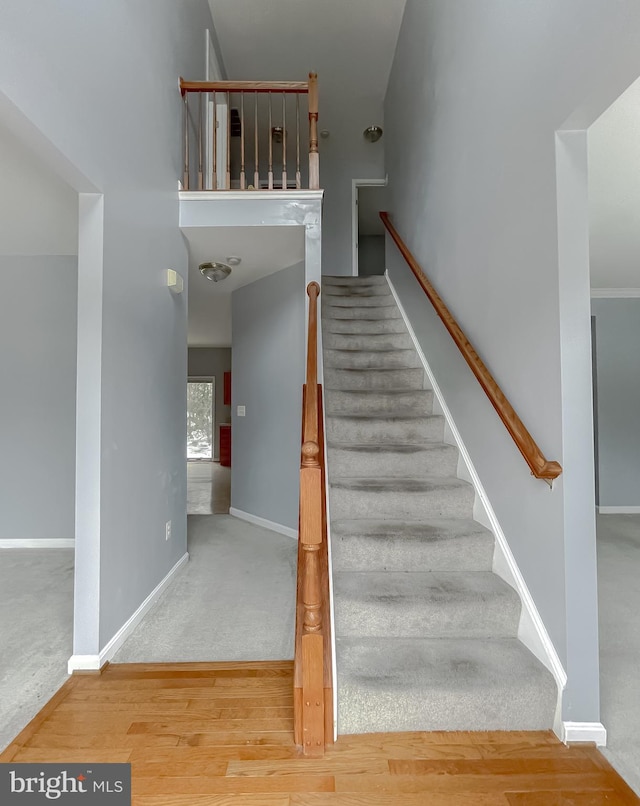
221 735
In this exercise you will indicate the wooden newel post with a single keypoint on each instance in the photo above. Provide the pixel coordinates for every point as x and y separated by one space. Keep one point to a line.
314 156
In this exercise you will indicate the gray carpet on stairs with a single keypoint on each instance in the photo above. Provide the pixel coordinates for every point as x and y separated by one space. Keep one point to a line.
426 633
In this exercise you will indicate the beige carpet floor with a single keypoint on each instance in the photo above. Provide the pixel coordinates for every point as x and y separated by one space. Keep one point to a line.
208 488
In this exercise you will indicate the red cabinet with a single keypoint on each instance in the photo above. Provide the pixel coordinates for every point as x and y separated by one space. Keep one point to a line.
225 445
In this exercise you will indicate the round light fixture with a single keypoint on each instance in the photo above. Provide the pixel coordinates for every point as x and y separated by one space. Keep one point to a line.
233 260
215 271
372 134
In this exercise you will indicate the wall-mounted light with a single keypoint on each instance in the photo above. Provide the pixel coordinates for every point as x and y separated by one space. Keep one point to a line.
215 271
372 134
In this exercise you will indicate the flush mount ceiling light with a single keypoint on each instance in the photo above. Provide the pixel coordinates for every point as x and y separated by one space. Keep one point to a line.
215 271
372 134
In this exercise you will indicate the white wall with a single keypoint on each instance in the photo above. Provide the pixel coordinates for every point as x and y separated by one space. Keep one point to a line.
97 87
476 95
614 194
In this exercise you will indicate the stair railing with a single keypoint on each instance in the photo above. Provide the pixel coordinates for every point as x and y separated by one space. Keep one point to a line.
313 689
539 465
231 127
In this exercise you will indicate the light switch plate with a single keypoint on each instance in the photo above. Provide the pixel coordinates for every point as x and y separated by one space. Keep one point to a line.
241 411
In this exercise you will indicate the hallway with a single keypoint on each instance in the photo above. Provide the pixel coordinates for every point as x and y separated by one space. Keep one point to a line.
619 605
234 600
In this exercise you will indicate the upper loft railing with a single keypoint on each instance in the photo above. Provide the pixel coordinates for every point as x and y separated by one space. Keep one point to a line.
312 687
247 135
540 466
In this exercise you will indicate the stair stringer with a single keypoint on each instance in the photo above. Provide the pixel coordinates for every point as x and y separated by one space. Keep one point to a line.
531 629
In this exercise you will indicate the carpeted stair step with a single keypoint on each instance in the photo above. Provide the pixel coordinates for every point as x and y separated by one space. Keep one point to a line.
373 379
369 341
370 312
365 544
385 429
353 282
406 499
371 359
405 461
385 401
363 327
470 684
373 290
350 301
395 604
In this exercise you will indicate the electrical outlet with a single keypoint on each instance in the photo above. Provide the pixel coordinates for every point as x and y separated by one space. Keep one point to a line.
167 532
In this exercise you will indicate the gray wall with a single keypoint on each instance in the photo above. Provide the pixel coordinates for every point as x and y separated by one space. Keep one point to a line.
132 333
618 389
476 95
38 400
213 362
371 254
268 373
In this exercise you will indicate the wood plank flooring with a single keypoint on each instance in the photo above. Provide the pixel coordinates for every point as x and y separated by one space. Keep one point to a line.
221 735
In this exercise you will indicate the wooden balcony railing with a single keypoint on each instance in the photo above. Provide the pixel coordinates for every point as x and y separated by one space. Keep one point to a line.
247 135
539 465
313 688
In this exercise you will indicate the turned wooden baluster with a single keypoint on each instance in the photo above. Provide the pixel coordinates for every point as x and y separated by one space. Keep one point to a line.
228 185
270 145
298 178
256 172
314 156
243 181
185 172
200 125
284 141
214 172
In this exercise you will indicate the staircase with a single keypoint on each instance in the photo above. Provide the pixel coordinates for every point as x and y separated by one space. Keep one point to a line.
426 633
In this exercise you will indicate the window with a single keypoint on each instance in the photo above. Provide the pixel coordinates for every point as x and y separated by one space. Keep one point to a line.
200 418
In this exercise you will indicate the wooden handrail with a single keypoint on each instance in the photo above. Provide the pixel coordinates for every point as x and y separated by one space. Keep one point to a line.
244 86
313 693
540 467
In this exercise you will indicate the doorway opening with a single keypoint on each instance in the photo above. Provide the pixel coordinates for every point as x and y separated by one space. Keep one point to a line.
368 198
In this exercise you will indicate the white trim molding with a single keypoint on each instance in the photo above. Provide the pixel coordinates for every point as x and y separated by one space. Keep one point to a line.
614 293
34 543
584 732
84 663
287 531
531 630
618 510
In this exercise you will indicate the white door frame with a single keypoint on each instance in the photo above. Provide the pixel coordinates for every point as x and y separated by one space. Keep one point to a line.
355 184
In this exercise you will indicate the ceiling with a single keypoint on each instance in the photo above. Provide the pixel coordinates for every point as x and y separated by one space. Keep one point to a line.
349 43
614 194
263 250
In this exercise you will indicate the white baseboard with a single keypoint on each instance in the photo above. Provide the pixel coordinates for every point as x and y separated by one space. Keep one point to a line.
45 543
78 663
618 510
584 732
531 630
274 527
